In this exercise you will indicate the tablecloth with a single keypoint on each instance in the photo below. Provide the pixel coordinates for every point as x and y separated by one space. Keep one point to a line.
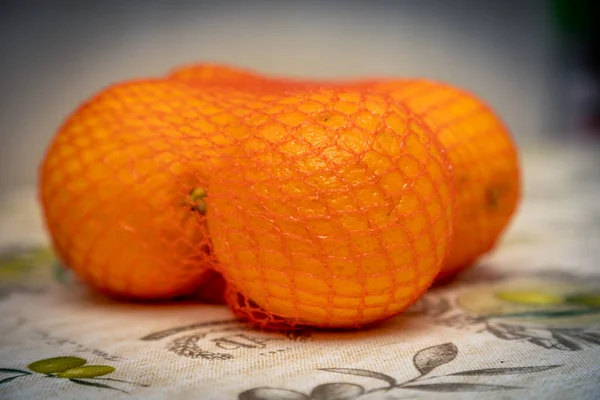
523 323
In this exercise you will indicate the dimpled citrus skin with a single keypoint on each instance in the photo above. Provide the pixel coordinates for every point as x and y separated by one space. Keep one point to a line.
225 77
484 161
115 185
216 75
335 210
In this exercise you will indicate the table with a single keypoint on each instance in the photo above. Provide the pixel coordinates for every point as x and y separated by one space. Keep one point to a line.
524 323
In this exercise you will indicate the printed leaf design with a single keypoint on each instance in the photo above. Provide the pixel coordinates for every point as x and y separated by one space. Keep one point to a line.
459 387
585 299
271 394
548 313
6 380
361 372
180 329
187 346
565 342
590 337
506 332
430 358
95 384
56 365
425 361
336 391
504 371
16 371
122 381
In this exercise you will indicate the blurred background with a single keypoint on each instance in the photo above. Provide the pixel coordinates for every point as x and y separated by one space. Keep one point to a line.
534 61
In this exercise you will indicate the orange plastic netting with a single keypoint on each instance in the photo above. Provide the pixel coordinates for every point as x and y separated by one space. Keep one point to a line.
330 204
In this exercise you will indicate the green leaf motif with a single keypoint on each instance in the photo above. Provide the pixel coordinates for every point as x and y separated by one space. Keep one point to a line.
530 297
95 384
549 313
586 299
87 371
56 364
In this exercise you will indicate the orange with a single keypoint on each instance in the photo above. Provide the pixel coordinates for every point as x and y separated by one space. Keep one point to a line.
484 162
335 211
216 75
116 188
226 77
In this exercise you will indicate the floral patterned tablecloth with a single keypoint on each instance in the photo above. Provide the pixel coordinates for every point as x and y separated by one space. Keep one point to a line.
525 323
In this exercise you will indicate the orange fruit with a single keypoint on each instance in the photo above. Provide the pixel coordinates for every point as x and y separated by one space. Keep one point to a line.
117 189
210 75
216 75
335 210
484 162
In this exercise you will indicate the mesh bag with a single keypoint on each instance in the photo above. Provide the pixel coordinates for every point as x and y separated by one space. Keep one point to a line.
116 188
321 204
484 161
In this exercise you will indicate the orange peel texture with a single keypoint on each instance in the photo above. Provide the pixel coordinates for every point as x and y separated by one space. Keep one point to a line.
116 189
484 160
335 211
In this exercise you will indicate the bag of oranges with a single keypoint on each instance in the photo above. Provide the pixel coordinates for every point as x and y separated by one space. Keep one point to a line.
328 204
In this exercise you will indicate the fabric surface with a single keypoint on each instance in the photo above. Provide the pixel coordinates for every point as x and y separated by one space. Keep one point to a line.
525 323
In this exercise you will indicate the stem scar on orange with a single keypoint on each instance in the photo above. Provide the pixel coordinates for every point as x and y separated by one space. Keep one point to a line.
121 188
